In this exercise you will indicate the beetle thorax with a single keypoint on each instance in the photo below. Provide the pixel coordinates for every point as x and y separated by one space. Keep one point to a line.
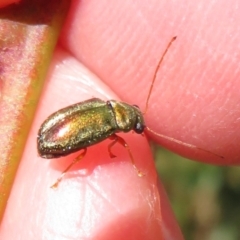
127 117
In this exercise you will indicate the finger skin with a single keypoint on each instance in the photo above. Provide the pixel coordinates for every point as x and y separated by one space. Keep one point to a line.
4 3
195 100
100 198
196 96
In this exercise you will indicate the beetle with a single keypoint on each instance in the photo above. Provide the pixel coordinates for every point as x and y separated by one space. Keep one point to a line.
87 123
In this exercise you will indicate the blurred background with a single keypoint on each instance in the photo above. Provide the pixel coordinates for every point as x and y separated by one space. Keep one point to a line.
204 198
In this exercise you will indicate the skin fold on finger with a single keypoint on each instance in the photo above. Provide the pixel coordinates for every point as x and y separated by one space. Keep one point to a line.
196 96
100 197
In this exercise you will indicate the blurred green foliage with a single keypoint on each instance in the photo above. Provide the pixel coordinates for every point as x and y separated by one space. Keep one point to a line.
204 198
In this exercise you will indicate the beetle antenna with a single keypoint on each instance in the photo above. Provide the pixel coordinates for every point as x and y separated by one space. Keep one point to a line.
156 71
182 143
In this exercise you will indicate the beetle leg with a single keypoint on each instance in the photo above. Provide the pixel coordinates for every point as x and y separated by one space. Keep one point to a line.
115 139
75 160
120 140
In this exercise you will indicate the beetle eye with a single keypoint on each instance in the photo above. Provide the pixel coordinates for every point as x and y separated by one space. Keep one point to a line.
139 128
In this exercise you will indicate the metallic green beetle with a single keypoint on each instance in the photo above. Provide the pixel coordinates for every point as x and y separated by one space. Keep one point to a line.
84 124
87 123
